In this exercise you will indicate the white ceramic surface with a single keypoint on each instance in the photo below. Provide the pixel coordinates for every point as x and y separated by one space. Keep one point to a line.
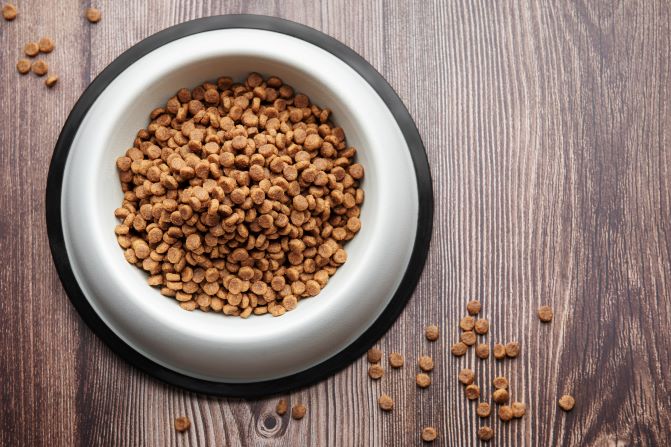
210 345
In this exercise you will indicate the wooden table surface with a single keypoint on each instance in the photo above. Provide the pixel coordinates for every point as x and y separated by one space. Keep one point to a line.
547 126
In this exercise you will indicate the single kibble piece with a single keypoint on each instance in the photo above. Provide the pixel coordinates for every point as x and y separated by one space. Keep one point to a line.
51 81
500 383
396 360
466 376
9 11
458 349
298 411
481 326
545 314
182 424
423 380
482 351
468 338
472 392
281 407
31 49
483 410
374 355
93 15
485 433
429 434
40 67
425 363
385 402
512 349
500 396
375 371
46 45
505 413
499 351
519 409
467 323
566 402
431 332
23 66
473 307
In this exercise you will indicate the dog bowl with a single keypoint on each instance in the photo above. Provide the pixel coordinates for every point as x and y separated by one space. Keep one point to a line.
210 352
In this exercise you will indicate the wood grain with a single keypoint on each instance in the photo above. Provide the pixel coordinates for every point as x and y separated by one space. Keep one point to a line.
547 125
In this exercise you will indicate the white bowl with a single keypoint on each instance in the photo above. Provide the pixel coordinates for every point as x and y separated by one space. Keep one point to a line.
210 348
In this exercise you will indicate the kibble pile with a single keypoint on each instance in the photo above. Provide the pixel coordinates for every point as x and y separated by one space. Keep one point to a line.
239 197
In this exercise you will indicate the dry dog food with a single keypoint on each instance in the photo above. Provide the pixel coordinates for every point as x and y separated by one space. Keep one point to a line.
500 382
385 402
482 351
429 434
512 349
31 49
499 351
182 424
485 433
9 12
566 402
459 348
23 66
467 323
466 376
473 307
468 338
505 413
51 81
281 407
298 411
374 355
46 45
425 363
481 326
500 396
375 371
472 392
423 380
396 360
545 314
431 332
483 409
93 15
519 409
239 197
40 67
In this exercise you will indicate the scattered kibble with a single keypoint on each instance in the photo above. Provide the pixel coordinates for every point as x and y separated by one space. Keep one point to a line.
519 409
40 67
505 413
500 396
93 15
472 392
500 382
425 363
423 380
46 45
396 360
431 332
466 376
512 349
23 66
566 402
182 424
482 351
481 326
545 314
374 355
429 434
468 338
458 349
499 351
9 12
467 323
483 410
281 407
298 411
385 402
31 49
485 433
375 371
473 307
51 81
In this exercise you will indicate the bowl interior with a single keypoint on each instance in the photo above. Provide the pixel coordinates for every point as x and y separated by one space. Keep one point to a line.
210 345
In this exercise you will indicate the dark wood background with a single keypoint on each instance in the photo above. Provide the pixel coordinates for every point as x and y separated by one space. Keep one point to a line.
548 127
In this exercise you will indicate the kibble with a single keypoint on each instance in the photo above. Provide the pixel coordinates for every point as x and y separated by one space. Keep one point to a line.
431 332
545 314
374 355
429 434
385 402
9 12
473 307
46 45
31 49
483 410
500 382
472 392
505 413
512 349
482 351
481 326
298 411
51 80
566 402
248 182
425 363
467 323
458 349
485 433
500 396
93 15
499 351
375 372
40 67
466 376
468 338
519 409
23 66
281 407
396 360
182 424
423 380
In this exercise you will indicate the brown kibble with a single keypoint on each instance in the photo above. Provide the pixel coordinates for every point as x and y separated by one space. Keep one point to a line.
505 413
466 376
431 332
93 15
51 81
519 409
545 314
499 351
40 67
500 382
374 355
375 371
46 45
429 434
31 49
396 360
425 363
458 349
483 410
9 12
485 433
423 380
23 66
566 402
472 392
473 307
500 396
467 323
298 411
481 326
482 351
182 424
385 402
281 407
468 338
512 349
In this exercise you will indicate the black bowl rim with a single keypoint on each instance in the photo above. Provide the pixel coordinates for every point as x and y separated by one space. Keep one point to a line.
310 375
